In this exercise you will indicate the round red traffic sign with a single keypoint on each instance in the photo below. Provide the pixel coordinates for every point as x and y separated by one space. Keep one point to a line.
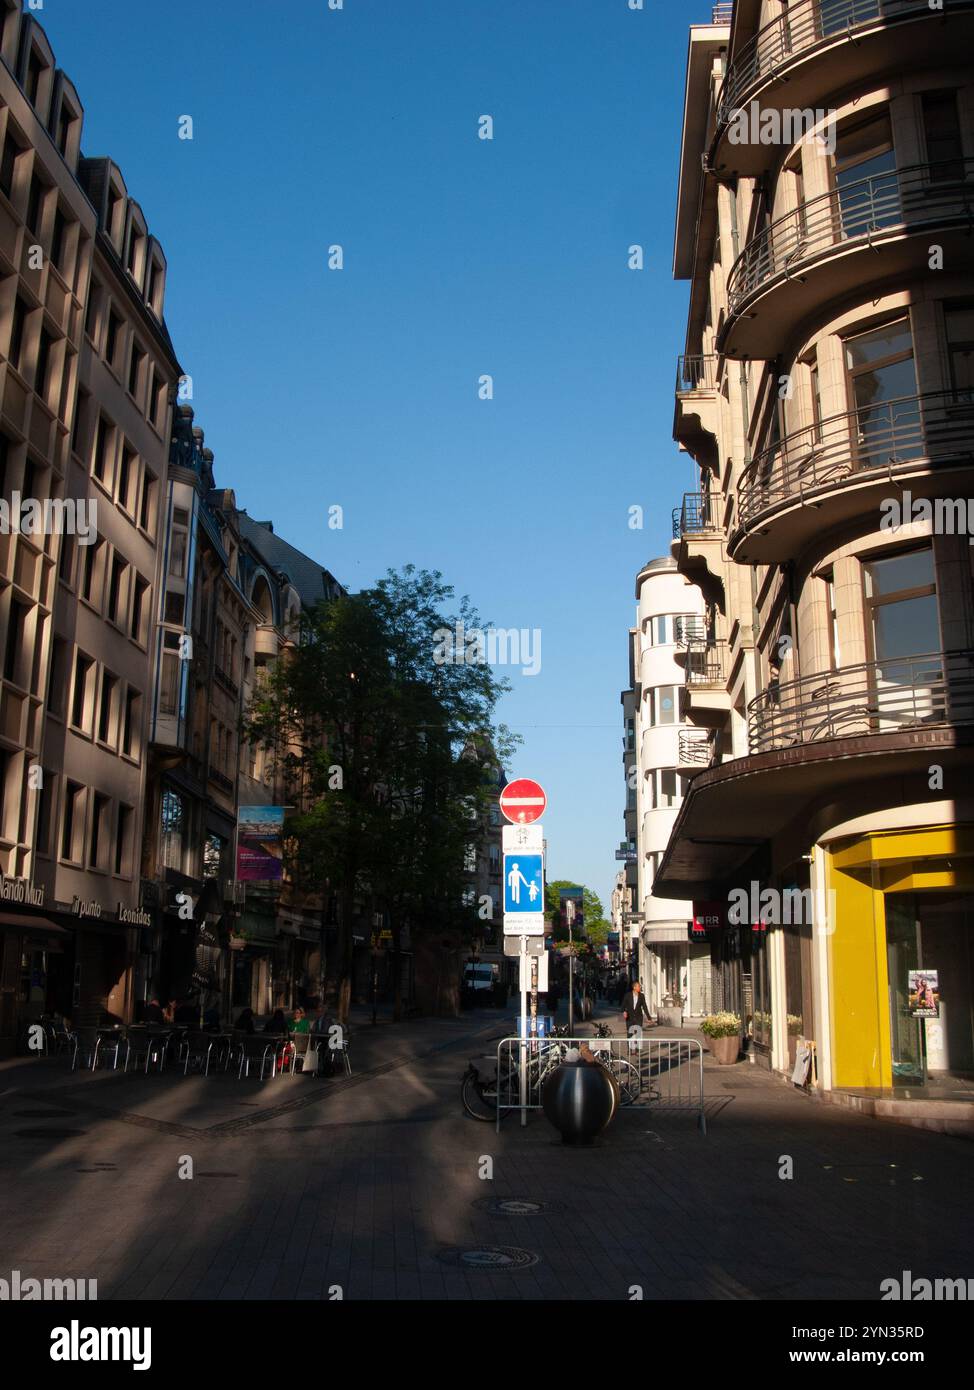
523 801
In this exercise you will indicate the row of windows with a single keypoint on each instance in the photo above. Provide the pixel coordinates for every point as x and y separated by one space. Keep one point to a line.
94 701
112 336
41 358
94 830
107 582
112 461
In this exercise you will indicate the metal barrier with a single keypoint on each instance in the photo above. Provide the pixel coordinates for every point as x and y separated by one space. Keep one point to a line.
652 1073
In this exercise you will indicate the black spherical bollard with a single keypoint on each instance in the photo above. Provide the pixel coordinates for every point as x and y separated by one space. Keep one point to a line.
580 1100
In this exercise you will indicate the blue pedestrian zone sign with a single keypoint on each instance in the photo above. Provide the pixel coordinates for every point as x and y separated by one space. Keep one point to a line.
523 884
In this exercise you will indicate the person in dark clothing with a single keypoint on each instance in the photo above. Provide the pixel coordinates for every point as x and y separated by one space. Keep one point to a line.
634 1009
245 1023
153 1012
277 1023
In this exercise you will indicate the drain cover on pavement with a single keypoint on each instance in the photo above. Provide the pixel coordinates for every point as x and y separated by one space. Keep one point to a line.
49 1133
493 1259
515 1206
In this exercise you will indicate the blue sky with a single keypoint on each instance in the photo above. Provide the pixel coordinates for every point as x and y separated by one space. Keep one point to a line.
359 387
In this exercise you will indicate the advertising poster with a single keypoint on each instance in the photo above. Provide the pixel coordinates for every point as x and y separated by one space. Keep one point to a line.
924 994
260 844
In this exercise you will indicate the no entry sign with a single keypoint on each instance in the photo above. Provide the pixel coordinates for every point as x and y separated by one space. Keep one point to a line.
523 801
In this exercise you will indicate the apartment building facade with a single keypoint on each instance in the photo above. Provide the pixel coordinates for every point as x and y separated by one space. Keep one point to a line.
88 372
659 748
826 398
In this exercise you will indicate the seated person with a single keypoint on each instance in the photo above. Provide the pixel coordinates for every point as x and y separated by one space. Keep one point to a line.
153 1012
299 1022
245 1022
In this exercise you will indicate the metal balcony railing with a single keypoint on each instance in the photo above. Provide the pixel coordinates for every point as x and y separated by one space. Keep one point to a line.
937 426
697 747
696 372
805 24
689 628
872 698
698 513
706 663
918 196
722 12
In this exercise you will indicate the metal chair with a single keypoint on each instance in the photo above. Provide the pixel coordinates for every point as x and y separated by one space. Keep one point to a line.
198 1048
253 1047
150 1043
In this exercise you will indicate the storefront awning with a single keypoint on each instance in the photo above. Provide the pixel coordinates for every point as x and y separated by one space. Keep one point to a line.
23 921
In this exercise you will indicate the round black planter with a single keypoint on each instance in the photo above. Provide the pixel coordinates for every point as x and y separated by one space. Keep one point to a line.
579 1099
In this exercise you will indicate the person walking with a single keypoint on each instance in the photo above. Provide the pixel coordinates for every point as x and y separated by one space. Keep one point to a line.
634 1007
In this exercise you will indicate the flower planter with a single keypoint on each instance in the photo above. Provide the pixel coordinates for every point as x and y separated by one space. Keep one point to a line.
726 1050
580 1100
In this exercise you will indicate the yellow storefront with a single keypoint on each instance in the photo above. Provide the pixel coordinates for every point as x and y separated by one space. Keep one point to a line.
904 902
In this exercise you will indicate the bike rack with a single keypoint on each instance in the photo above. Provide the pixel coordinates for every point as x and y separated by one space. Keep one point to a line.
670 1071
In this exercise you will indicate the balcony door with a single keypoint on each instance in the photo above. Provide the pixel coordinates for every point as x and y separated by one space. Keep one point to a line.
903 630
882 390
866 184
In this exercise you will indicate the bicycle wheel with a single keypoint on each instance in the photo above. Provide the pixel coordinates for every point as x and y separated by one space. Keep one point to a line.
627 1079
479 1099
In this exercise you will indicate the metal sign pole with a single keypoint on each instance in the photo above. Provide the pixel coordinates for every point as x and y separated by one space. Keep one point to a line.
524 1030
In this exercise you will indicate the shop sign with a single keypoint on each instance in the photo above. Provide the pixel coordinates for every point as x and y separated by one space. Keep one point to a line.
134 916
924 993
20 890
707 917
81 907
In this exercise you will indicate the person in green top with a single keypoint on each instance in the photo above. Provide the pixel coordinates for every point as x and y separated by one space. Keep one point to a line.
300 1023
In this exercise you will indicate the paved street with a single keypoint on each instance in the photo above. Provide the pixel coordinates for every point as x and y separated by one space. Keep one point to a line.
370 1183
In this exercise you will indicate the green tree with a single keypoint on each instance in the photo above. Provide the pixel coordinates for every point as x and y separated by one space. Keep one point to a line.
592 913
372 724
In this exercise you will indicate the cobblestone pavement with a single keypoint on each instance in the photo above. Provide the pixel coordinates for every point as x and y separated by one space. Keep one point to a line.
372 1184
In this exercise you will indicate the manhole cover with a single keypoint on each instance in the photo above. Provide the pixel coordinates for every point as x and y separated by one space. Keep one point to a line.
494 1259
515 1206
49 1133
42 1114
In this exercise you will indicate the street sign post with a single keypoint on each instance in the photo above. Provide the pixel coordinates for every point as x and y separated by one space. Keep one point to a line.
523 801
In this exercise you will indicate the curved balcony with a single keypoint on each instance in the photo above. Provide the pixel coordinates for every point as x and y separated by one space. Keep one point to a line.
843 467
820 47
850 238
877 697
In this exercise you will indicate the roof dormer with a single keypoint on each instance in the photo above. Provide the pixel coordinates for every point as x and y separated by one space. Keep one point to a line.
36 67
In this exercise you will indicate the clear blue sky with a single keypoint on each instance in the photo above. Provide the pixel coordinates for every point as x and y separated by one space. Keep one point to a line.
462 257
